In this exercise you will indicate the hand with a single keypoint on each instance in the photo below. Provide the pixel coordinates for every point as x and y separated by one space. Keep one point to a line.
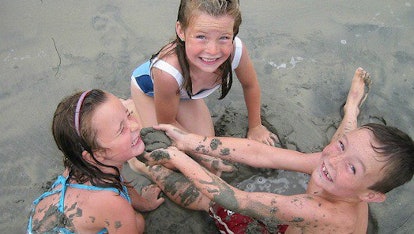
151 194
163 157
175 134
261 134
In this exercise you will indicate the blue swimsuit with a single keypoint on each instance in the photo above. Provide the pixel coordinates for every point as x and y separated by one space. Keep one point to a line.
141 76
61 180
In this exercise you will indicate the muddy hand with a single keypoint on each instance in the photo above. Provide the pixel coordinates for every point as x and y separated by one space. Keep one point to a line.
175 134
154 139
151 194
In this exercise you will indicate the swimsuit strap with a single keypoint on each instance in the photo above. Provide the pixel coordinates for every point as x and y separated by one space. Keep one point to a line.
60 180
124 192
164 66
237 53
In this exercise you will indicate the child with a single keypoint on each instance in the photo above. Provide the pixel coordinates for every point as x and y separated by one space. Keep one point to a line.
96 135
171 86
359 166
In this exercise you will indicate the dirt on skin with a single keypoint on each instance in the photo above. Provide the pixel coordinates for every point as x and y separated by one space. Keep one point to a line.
154 139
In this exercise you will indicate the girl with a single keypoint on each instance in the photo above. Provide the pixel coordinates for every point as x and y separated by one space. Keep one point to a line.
97 135
171 86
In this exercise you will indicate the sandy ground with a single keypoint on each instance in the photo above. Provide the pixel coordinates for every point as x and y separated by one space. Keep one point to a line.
305 53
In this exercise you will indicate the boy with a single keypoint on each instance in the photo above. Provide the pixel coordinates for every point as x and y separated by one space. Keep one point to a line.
359 166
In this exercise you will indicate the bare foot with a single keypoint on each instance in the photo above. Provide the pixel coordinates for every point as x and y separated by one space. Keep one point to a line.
360 86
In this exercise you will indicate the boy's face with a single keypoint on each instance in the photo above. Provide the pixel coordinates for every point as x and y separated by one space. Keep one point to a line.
349 166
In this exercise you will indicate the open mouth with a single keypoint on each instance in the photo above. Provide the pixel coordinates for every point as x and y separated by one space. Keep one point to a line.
326 173
135 142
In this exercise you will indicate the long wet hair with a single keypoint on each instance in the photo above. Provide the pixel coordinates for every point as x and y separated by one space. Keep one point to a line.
395 148
72 145
186 11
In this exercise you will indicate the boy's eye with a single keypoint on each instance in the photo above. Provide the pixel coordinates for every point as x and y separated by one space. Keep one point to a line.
341 145
353 169
200 37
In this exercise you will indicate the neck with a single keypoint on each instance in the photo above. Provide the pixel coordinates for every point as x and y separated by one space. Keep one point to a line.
316 190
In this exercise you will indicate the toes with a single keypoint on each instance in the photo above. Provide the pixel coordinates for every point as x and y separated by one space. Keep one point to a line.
367 80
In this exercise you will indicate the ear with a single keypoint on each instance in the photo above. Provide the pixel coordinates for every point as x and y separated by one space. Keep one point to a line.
98 154
180 31
373 196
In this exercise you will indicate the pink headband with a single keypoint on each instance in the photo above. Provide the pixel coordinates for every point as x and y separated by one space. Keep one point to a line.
78 107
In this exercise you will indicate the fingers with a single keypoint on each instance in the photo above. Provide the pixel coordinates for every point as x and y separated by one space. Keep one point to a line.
152 193
263 135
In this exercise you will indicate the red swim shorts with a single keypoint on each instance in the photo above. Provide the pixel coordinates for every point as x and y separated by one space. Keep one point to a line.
229 222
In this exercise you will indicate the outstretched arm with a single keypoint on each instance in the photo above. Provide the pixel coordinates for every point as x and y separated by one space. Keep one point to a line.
241 150
298 210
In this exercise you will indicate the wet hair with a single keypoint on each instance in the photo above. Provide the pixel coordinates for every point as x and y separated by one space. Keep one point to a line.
72 145
186 11
395 148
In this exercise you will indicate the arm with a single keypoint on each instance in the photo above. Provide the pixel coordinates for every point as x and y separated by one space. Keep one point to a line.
247 76
299 210
243 151
166 97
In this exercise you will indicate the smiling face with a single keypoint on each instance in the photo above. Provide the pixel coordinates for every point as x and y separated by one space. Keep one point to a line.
349 166
208 40
117 133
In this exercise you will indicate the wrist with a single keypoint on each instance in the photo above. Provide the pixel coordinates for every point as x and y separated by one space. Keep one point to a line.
255 126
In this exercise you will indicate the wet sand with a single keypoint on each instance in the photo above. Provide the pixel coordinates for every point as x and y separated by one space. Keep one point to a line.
305 54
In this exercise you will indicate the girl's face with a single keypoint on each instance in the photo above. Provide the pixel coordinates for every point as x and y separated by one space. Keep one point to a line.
349 166
117 133
208 40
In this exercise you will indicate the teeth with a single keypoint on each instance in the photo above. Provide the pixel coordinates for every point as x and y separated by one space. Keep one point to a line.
325 171
209 60
134 142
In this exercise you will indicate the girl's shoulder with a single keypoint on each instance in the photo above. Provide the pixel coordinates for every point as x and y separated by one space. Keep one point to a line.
98 200
168 55
167 60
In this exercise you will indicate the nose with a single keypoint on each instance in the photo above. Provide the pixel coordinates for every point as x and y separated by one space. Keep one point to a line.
211 47
334 159
133 125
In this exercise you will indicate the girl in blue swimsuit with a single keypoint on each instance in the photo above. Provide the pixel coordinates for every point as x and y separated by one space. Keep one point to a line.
97 135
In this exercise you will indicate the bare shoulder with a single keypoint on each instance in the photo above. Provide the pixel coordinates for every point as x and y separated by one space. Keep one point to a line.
104 207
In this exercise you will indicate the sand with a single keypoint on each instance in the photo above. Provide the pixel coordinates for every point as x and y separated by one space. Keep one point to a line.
304 52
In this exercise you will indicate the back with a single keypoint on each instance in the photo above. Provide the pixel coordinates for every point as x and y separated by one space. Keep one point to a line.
70 208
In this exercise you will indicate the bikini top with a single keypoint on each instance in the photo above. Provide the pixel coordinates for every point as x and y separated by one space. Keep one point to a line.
61 180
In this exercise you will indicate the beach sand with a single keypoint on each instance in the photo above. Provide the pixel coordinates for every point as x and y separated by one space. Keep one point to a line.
304 52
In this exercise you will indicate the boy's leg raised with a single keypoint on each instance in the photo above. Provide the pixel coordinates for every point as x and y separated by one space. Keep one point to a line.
357 94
